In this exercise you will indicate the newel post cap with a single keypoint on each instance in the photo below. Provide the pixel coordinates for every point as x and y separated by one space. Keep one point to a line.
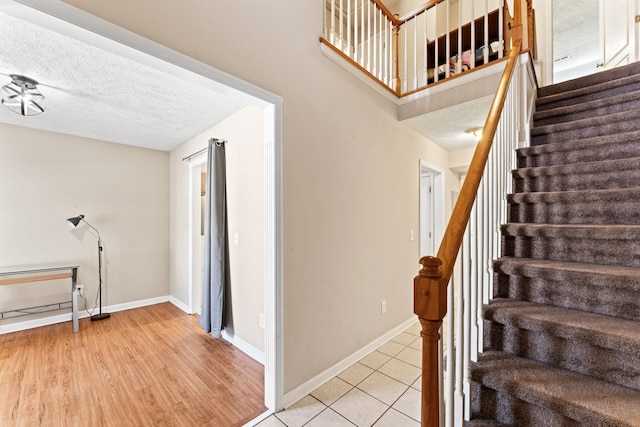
430 267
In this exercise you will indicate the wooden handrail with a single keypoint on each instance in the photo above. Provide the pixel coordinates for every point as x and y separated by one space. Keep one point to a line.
418 11
390 16
430 286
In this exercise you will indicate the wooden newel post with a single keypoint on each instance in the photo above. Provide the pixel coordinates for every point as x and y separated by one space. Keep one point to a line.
396 48
430 305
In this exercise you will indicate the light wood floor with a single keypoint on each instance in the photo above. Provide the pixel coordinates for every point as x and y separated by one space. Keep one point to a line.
151 366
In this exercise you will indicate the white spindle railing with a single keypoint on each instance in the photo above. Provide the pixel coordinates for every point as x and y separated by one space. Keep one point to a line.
472 283
433 43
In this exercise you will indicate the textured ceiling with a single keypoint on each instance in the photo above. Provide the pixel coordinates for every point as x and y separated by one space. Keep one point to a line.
448 126
94 93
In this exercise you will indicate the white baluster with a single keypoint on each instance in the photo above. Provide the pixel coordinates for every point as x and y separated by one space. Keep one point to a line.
447 42
473 34
466 356
369 36
501 30
349 52
356 57
325 32
362 31
372 40
332 33
486 31
379 61
341 23
435 46
405 35
425 44
450 324
391 55
415 53
459 47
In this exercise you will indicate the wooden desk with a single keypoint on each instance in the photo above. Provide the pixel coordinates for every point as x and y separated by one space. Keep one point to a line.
38 273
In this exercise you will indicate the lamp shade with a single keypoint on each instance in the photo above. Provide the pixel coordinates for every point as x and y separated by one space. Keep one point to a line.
22 96
73 222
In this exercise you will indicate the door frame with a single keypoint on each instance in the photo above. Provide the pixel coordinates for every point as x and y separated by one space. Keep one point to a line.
106 35
437 206
195 166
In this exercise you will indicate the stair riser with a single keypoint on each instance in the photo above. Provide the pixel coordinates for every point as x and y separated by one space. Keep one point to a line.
577 294
489 403
606 252
628 178
564 118
543 104
588 212
577 356
584 132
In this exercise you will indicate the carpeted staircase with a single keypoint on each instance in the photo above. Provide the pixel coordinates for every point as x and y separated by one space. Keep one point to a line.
562 336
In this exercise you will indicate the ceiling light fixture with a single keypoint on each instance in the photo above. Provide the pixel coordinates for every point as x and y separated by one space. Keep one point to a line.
476 132
22 96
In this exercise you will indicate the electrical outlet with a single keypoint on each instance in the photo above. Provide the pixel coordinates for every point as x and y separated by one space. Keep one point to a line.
80 289
262 320
383 306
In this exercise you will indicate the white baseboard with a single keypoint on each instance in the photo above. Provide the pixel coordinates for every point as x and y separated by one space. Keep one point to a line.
66 317
258 419
244 346
182 306
304 389
236 341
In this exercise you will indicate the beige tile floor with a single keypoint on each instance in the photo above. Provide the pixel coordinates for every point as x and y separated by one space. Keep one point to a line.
382 390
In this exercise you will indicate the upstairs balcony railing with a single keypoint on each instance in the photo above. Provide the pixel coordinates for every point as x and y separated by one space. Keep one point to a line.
405 54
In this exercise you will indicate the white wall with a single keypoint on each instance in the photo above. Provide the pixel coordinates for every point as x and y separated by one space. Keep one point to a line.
350 174
244 131
123 191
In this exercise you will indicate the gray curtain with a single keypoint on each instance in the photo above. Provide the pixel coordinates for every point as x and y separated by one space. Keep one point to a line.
216 248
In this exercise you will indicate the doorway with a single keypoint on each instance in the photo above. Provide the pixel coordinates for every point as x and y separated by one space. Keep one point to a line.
75 23
197 194
431 208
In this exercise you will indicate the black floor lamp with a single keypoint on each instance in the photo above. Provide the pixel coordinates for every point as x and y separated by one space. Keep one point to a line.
73 222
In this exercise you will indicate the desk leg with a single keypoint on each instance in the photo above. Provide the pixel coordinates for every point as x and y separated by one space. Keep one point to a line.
74 300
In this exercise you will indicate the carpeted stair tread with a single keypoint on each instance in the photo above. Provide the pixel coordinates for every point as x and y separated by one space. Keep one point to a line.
613 104
485 423
581 195
578 168
573 231
609 276
599 244
606 207
578 397
582 123
584 196
605 289
621 145
589 93
595 329
590 80
600 175
624 121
